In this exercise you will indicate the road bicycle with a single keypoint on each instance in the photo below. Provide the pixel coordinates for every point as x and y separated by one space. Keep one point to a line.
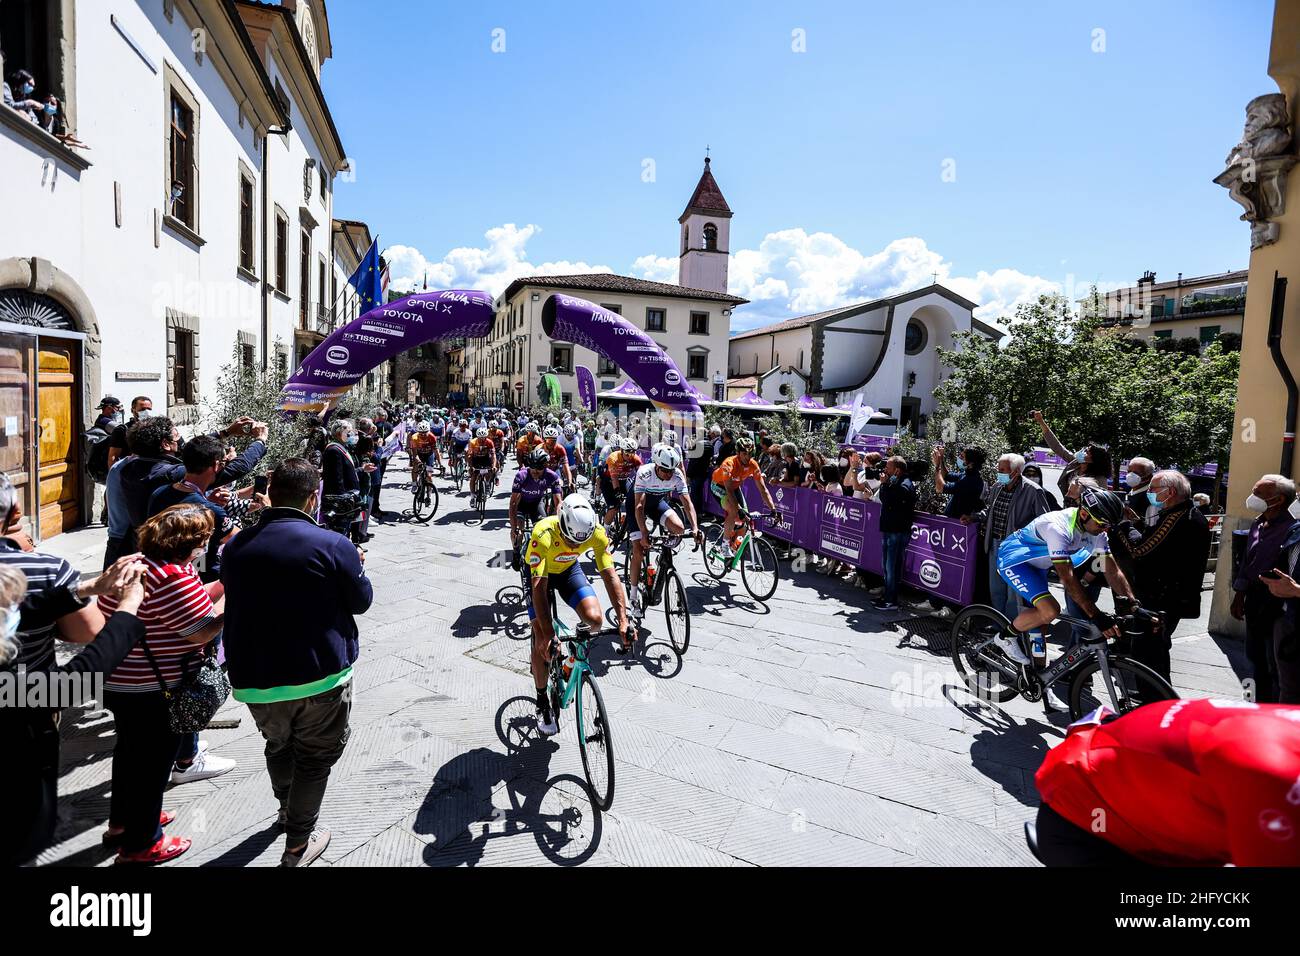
755 556
661 584
457 469
571 681
482 490
424 496
1094 671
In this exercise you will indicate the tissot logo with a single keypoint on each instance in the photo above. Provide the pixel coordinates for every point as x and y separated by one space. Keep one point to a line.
337 355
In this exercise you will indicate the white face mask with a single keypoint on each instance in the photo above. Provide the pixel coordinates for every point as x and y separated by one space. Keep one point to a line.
1256 504
1133 479
9 628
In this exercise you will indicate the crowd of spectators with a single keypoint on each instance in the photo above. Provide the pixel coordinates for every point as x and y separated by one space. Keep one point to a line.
201 554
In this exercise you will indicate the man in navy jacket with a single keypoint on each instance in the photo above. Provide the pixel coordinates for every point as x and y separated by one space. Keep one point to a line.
292 590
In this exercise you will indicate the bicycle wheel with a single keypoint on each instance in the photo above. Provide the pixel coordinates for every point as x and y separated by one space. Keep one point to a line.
1134 683
595 742
677 612
986 671
425 503
714 560
758 568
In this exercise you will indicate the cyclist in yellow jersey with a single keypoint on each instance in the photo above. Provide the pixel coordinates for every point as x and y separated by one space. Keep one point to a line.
554 549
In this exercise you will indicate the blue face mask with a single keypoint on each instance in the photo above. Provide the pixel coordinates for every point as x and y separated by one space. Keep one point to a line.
352 439
1081 455
1154 499
27 89
1004 478
958 467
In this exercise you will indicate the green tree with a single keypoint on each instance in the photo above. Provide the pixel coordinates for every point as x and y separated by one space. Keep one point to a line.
243 390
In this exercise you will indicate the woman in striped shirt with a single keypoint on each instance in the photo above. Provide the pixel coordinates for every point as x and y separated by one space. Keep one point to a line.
180 615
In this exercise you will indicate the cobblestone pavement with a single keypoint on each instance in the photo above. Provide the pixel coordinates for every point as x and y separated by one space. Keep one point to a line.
812 730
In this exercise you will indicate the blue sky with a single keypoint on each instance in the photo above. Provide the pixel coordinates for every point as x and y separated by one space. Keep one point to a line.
1071 166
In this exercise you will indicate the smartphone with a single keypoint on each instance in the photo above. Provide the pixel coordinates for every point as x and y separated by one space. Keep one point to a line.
1271 573
259 485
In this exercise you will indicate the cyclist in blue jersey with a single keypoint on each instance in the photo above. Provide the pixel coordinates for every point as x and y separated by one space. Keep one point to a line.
535 493
571 441
1063 540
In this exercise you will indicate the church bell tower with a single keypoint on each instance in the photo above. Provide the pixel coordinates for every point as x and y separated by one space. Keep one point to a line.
705 237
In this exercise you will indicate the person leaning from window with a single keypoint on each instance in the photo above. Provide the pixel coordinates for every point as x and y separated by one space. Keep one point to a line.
1092 460
963 483
1168 560
29 736
20 94
1253 600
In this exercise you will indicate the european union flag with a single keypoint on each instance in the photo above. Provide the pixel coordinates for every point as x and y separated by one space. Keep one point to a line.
368 279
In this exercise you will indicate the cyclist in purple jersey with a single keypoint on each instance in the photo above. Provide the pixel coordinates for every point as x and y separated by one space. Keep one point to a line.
535 488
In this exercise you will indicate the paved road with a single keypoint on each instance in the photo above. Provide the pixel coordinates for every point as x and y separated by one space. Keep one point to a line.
812 730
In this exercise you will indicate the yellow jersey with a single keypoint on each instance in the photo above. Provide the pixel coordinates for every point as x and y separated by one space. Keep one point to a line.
549 553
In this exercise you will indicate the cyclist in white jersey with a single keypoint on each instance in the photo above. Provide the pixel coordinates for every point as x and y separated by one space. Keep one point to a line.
653 489
1063 540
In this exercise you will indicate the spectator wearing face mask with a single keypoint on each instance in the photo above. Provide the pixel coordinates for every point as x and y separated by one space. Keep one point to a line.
1253 601
964 485
1168 560
141 409
1137 482
20 95
1092 460
897 511
1009 505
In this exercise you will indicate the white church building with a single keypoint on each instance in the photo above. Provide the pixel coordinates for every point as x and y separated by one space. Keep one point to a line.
885 350
690 320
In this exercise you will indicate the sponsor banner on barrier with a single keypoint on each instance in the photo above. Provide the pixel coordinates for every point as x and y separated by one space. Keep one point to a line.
941 557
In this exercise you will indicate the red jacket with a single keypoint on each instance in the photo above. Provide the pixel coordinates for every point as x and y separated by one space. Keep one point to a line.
1185 782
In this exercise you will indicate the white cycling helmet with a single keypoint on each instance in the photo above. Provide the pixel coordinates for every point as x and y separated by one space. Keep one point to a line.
666 457
422 427
531 427
550 431
570 429
463 423
577 519
481 433
627 444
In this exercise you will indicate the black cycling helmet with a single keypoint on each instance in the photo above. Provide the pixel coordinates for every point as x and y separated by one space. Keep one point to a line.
1104 506
537 458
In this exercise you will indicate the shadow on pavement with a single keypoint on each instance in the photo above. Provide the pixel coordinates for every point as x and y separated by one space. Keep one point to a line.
463 811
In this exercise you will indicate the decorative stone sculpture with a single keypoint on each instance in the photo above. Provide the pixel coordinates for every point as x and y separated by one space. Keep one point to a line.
1257 167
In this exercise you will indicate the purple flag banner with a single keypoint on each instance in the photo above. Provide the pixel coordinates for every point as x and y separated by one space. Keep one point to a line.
570 319
941 559
373 338
586 388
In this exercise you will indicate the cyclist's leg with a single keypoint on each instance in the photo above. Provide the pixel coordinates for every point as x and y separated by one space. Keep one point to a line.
668 518
638 545
578 593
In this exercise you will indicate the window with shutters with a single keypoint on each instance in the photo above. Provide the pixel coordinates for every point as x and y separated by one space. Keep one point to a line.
181 190
247 201
281 252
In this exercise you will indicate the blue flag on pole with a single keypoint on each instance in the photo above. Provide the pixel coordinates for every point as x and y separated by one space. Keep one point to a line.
368 279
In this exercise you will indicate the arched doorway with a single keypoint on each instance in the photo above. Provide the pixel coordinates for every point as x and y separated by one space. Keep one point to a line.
49 350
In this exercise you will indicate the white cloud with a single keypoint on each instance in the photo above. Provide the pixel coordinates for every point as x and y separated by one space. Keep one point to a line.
792 272
490 268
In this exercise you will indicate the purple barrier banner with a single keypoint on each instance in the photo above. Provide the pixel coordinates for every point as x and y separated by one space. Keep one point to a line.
941 559
373 338
570 319
586 388
880 443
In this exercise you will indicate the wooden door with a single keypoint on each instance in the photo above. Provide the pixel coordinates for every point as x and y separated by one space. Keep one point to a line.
17 354
58 449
